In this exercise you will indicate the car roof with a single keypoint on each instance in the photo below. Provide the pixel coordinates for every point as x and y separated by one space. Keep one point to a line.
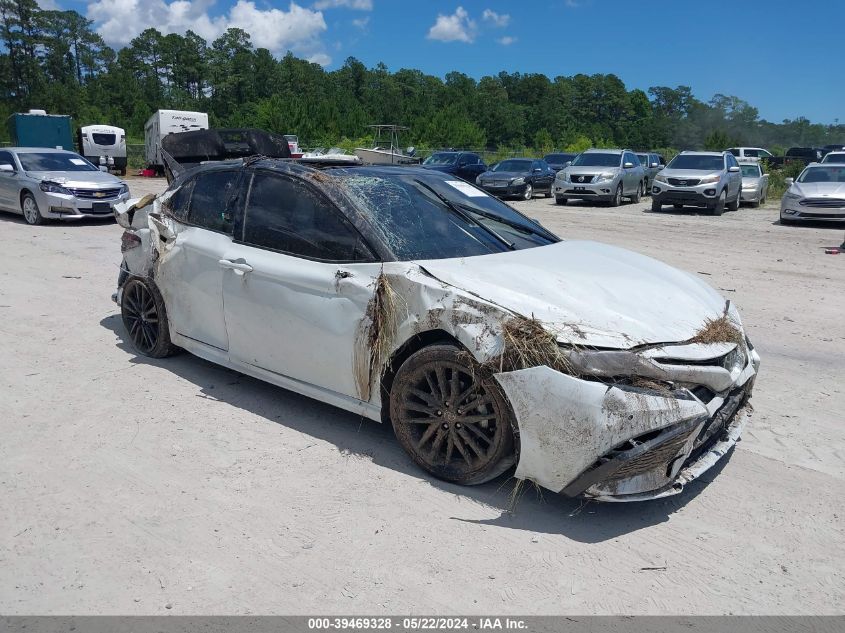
596 150
40 150
696 153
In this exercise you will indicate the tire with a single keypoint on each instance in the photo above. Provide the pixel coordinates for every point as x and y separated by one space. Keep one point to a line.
616 200
560 200
145 319
656 207
123 171
718 207
646 188
763 198
756 203
677 206
639 195
733 206
31 212
463 445
529 192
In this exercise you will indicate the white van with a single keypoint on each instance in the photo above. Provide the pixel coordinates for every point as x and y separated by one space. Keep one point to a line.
750 154
165 122
104 145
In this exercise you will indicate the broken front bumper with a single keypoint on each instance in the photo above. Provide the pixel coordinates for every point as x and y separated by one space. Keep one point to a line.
618 442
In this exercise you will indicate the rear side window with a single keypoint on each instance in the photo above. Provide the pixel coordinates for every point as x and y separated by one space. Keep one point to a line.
735 151
285 215
177 204
211 194
6 159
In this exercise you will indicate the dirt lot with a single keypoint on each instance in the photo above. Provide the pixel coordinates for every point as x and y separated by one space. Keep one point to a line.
138 486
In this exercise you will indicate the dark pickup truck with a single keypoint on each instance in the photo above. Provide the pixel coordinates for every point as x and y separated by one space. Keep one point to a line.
804 155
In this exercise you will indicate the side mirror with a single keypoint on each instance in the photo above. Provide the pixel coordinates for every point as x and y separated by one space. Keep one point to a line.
628 165
8 168
659 167
788 181
653 165
567 163
733 170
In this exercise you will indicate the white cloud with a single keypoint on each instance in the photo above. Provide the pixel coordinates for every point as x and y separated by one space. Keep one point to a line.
298 29
496 19
361 23
457 27
361 5
507 40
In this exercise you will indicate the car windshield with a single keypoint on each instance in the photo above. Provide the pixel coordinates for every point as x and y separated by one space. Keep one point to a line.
424 217
750 171
596 159
557 158
441 159
697 162
834 157
513 165
54 161
823 174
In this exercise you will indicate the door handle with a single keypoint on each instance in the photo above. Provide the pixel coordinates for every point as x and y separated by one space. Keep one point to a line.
240 268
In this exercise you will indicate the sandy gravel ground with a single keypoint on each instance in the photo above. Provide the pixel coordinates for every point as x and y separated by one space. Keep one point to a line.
132 486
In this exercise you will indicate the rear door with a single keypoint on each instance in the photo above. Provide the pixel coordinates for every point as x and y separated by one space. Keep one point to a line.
296 285
189 276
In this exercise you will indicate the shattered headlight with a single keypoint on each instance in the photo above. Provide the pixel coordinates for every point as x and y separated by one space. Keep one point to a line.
54 187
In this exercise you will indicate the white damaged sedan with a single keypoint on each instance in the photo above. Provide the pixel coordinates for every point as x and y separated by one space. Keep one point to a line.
405 295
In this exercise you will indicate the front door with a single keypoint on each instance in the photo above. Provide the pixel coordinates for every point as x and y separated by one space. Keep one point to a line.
8 182
296 285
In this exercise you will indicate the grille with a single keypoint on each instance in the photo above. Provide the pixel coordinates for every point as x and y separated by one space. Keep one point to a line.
499 183
683 182
659 456
823 203
95 194
580 179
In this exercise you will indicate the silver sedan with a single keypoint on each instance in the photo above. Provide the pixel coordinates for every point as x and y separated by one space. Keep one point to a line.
755 184
42 183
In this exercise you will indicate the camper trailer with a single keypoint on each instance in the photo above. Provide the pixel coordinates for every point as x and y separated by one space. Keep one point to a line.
104 145
165 122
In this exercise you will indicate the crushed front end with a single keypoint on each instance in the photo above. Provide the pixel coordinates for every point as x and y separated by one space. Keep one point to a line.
631 425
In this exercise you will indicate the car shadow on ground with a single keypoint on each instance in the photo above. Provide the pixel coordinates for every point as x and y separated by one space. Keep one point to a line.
520 505
17 218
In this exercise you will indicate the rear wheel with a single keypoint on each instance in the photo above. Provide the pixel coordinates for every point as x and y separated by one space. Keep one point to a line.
30 210
453 421
559 200
656 207
145 319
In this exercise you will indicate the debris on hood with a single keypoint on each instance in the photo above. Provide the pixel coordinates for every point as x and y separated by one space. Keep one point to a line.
527 343
721 330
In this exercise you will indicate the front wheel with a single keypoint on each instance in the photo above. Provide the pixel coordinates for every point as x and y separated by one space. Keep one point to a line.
559 200
733 206
529 192
145 319
719 206
451 419
30 210
616 200
637 196
656 207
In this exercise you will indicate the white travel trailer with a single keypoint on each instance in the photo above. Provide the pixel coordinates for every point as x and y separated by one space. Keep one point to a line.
104 145
165 122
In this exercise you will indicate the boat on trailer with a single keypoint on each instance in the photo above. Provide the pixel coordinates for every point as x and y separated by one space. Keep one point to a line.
386 149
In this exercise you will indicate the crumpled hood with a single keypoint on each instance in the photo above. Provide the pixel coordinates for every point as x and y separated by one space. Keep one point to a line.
818 189
589 293
94 179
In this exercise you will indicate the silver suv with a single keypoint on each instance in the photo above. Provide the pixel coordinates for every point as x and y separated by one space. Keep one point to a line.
601 174
699 179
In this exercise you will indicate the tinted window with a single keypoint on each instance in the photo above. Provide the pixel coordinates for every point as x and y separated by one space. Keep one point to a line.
211 195
751 153
103 139
177 203
6 159
513 165
596 159
735 151
643 159
289 216
697 162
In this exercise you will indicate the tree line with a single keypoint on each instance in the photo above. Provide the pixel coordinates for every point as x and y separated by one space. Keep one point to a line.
55 60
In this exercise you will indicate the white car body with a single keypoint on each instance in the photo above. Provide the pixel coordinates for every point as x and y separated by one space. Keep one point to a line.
296 323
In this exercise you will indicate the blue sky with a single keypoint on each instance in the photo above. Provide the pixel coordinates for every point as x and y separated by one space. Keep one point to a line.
758 50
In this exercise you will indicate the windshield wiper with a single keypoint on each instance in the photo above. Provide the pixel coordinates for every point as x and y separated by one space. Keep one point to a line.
497 218
455 208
